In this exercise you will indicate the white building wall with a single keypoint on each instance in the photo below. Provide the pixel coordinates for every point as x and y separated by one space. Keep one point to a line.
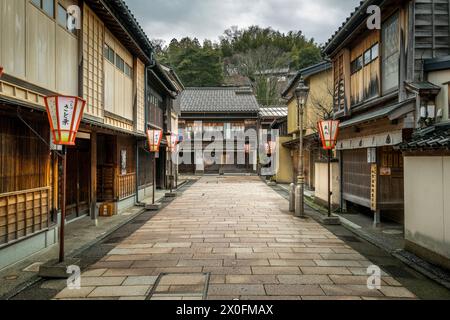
427 203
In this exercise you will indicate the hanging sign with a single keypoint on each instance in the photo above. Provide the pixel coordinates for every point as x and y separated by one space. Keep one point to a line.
328 130
154 138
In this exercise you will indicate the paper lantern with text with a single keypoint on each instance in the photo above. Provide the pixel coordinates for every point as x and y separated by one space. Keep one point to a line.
328 130
154 138
64 114
172 141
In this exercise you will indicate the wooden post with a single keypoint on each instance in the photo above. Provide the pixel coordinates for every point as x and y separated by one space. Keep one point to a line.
93 195
329 183
63 205
154 177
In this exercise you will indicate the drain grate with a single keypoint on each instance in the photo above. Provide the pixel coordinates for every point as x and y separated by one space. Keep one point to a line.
398 272
180 286
350 239
115 240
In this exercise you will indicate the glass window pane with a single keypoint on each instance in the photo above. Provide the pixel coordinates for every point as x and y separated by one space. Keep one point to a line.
106 51
390 54
375 51
49 7
62 16
37 3
367 57
111 55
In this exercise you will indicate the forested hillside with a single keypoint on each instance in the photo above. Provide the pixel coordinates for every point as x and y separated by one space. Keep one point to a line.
254 55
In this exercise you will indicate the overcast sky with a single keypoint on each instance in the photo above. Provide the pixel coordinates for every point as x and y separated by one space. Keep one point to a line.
168 19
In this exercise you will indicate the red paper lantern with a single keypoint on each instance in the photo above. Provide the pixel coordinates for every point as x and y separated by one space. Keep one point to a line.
154 138
329 131
64 114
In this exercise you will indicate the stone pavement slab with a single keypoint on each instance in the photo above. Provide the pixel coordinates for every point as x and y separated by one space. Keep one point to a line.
238 231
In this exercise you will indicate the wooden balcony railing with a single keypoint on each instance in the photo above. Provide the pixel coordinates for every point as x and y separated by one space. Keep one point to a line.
125 185
24 213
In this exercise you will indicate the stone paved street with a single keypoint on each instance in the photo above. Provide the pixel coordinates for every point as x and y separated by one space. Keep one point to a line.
238 232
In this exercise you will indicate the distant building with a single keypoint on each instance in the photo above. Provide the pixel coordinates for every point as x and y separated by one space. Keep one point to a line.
226 111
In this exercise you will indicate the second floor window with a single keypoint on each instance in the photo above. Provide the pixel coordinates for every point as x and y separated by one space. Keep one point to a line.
48 6
390 54
156 110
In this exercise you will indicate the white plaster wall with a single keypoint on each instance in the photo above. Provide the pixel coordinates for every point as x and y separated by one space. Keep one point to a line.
321 182
427 203
441 78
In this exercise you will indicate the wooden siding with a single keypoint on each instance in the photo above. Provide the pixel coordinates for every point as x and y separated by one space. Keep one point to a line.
25 179
34 48
118 86
432 31
365 83
12 37
140 95
93 41
24 158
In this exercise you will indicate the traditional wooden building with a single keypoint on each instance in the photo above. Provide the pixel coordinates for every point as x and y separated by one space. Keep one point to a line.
319 79
372 69
108 61
227 112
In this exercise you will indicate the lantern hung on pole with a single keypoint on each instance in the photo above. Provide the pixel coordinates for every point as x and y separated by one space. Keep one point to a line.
154 138
172 141
64 114
329 130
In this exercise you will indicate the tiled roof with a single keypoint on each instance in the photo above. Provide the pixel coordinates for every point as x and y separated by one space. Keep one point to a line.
306 73
376 114
273 112
436 137
219 99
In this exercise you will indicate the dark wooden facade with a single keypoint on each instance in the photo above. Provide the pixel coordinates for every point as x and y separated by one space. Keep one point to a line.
26 176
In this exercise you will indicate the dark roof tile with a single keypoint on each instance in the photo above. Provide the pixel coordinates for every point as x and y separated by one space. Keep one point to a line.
219 99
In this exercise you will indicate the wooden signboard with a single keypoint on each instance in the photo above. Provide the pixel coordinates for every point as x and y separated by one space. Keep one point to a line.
373 187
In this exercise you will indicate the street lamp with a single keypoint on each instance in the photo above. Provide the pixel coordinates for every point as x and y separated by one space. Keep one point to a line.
329 130
301 93
64 115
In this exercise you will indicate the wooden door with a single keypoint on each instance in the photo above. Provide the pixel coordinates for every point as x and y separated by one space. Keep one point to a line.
356 177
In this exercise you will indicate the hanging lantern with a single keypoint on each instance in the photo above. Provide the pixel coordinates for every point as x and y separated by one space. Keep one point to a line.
172 141
64 114
329 130
1 71
270 147
154 138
